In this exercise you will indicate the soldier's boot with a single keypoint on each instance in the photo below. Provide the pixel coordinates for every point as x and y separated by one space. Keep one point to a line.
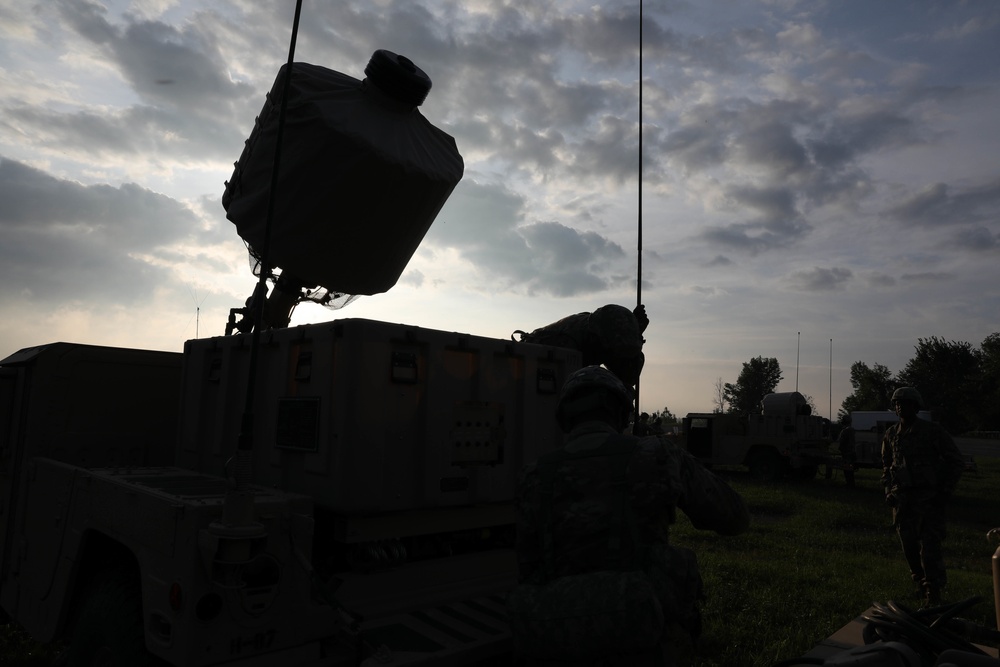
932 595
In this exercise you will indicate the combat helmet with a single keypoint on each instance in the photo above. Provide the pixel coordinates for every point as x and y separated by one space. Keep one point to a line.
907 394
613 328
593 389
613 338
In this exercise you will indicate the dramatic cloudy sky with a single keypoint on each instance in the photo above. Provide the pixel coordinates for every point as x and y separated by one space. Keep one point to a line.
812 171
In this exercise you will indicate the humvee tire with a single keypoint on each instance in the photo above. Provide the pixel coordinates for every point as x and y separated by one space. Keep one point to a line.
107 629
766 466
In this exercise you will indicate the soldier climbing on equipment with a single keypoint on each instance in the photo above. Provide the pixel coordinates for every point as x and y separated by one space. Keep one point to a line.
610 336
599 581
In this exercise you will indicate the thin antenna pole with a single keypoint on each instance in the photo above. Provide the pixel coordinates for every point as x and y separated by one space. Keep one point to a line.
831 380
638 279
798 346
244 447
197 311
638 270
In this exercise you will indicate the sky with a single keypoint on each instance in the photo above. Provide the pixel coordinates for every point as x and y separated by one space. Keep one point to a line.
819 181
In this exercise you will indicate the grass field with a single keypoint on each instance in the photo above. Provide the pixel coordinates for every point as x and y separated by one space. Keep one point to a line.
817 555
17 649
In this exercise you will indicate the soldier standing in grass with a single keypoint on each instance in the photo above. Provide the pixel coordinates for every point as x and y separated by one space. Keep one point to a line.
921 467
599 582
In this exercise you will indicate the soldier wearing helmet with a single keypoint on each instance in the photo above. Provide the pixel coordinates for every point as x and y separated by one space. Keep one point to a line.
603 502
611 335
921 467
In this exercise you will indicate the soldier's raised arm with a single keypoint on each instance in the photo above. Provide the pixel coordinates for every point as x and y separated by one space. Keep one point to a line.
707 499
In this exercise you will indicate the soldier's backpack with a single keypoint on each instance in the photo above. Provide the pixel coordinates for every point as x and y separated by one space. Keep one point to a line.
567 332
586 617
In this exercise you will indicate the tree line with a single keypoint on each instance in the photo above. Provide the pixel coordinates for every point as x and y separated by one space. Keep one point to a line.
959 383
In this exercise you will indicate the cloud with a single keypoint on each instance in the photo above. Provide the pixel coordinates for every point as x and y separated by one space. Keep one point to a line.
977 239
926 277
177 68
719 260
65 242
973 26
485 224
820 279
777 225
570 262
877 279
700 290
771 145
138 133
939 204
696 145
796 145
854 133
179 110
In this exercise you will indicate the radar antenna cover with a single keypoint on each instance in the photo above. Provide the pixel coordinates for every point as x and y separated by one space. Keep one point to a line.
362 177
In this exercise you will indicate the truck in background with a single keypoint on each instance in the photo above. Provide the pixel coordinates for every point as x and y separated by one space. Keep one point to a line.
785 437
378 521
869 429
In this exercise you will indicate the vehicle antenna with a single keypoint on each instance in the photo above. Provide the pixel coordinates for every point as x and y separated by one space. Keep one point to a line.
244 446
831 380
638 272
798 346
197 310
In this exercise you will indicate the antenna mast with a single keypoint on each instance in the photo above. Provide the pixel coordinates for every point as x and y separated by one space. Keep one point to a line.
638 272
638 280
798 346
244 446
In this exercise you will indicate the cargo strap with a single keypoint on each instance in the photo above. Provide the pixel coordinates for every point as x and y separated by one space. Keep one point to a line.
620 449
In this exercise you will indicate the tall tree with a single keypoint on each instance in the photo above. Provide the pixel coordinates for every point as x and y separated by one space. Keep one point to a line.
946 373
872 389
719 394
665 415
758 378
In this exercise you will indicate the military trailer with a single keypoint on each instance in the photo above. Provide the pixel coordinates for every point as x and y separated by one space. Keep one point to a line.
783 438
378 519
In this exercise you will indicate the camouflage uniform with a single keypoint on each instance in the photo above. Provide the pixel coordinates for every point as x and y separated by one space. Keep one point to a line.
661 477
921 467
611 335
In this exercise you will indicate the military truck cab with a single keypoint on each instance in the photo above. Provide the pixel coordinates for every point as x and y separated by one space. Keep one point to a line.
783 438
